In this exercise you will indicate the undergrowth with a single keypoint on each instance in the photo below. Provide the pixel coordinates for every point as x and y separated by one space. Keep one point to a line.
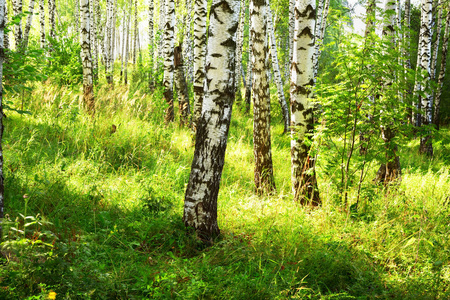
94 209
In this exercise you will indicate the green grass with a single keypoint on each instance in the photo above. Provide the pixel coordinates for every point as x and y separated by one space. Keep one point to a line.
97 215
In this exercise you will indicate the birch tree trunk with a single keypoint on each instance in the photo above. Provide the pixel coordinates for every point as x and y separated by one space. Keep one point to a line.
108 41
264 179
291 36
28 24
248 88
200 202
304 181
437 102
93 36
239 44
17 7
113 36
200 9
3 12
276 72
181 86
127 44
436 43
77 19
51 18
135 33
425 68
168 58
188 43
317 40
391 169
6 37
151 82
88 94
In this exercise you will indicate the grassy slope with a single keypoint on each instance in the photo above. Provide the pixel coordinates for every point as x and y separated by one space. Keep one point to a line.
109 209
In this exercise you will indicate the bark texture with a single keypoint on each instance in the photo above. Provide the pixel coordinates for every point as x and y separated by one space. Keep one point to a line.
28 24
151 48
42 22
200 203
181 86
248 88
18 34
264 179
200 8
127 46
437 102
169 41
303 176
277 72
239 44
188 43
88 94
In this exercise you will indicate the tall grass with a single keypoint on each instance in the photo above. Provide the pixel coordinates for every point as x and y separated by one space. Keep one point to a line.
95 213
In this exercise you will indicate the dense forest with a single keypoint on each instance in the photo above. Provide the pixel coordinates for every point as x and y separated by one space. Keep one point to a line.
224 149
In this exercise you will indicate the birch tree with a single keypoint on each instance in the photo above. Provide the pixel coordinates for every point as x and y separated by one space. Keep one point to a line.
200 8
93 37
3 9
239 44
264 179
168 58
28 24
425 69
248 88
304 181
108 41
17 7
181 86
127 45
88 94
277 72
51 18
200 202
437 102
188 42
150 41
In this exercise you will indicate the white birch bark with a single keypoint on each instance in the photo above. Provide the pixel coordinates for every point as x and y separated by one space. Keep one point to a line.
18 35
151 43
88 94
162 22
113 36
127 45
42 22
425 68
291 34
436 44
169 41
437 102
277 72
93 39
304 182
248 88
28 24
3 9
135 47
108 41
188 43
200 8
239 44
317 40
200 203
262 150
51 20
6 35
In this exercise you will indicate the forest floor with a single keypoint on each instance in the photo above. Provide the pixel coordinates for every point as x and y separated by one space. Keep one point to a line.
94 211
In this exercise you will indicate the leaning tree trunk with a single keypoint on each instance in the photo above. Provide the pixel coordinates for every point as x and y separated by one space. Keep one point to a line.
17 7
239 44
88 94
304 181
426 145
3 9
262 150
437 102
28 24
181 86
200 202
200 9
168 59
248 88
151 82
277 73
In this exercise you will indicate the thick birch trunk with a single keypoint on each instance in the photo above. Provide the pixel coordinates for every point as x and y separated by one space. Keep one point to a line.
3 11
425 68
88 94
200 9
200 203
28 24
304 181
17 7
437 102
264 179
168 58
181 86
277 73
